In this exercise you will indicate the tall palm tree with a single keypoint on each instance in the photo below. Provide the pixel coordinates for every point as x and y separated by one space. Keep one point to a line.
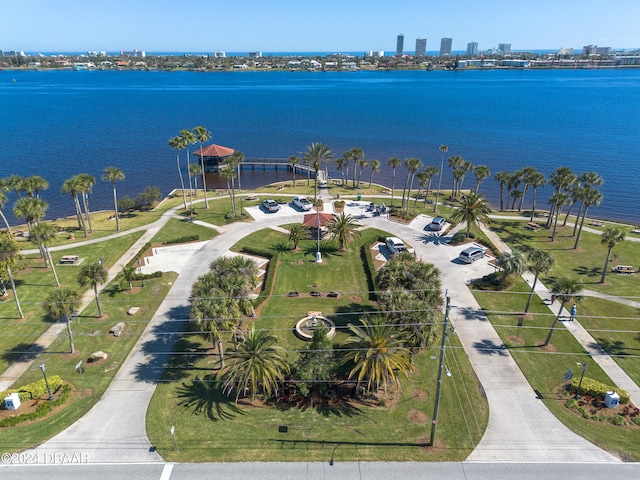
213 315
557 200
203 135
344 229
316 154
503 178
377 352
113 175
63 302
229 174
178 143
3 201
443 149
375 167
562 179
293 161
591 197
72 187
513 263
16 183
93 274
536 180
189 139
587 180
34 184
424 181
297 232
43 234
455 161
576 194
412 164
362 163
195 170
538 262
9 257
566 290
473 210
481 172
235 159
394 163
354 155
526 174
259 364
31 209
611 237
86 183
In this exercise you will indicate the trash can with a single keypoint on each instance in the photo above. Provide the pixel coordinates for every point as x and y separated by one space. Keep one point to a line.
359 196
611 399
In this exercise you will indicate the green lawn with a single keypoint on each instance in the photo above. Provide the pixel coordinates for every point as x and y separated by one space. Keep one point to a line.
189 399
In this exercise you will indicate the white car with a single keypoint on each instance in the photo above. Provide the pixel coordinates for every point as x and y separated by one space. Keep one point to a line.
302 203
395 245
471 254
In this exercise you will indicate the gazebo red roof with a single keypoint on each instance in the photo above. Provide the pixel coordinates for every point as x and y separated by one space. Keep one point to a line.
312 219
214 150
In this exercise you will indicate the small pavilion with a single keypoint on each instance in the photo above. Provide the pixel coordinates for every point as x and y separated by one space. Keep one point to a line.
312 221
213 155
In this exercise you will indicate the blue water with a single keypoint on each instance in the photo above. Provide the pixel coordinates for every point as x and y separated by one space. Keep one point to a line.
57 124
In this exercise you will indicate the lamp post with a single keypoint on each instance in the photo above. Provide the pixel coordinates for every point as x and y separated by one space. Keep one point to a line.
318 254
46 382
436 406
584 367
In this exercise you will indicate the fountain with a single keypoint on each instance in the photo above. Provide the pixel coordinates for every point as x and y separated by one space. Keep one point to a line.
306 326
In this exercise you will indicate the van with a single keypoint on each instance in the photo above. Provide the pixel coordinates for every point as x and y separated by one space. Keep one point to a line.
395 245
471 254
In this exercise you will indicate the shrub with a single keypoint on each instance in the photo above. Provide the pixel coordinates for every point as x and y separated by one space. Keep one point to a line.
41 410
34 389
185 239
593 388
617 420
494 281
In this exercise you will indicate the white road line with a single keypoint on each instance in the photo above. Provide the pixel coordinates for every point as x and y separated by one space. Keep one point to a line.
166 471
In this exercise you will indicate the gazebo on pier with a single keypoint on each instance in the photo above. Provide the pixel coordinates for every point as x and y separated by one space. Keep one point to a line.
213 155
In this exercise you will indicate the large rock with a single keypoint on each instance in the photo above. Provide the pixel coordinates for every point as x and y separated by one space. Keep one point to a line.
96 356
133 310
117 329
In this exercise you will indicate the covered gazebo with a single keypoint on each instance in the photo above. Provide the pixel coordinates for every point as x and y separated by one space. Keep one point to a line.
313 221
213 155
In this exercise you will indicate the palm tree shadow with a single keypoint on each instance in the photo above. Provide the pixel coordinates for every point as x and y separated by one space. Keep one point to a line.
472 314
205 397
23 352
617 347
589 272
487 347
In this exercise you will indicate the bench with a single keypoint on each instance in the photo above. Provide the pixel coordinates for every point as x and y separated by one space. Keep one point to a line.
623 269
532 226
252 198
636 230
597 223
66 259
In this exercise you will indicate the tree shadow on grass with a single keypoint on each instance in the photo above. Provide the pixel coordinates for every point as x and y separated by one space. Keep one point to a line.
24 352
487 347
206 398
589 272
617 347
351 313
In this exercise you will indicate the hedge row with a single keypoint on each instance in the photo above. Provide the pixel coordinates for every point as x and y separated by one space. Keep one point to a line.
41 410
593 388
370 270
138 256
34 389
269 275
187 238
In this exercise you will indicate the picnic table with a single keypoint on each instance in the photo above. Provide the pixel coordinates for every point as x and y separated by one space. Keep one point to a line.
532 226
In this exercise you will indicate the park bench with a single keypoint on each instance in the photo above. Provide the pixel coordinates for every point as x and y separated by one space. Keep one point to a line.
623 269
67 259
532 226
597 223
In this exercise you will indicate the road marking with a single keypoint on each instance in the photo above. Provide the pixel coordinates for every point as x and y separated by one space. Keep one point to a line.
166 471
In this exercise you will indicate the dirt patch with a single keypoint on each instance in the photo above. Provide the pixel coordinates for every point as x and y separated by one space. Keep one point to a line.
516 339
355 298
417 417
549 348
420 395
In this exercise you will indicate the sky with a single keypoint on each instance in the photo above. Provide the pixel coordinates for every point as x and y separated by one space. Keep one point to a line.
313 25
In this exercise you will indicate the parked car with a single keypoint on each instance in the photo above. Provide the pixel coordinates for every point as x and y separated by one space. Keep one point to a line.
395 245
437 224
302 203
471 254
271 205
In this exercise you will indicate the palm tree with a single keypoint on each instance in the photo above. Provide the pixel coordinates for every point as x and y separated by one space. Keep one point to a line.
258 364
586 180
566 290
526 175
178 143
461 172
31 209
473 210
129 272
316 154
86 183
576 194
113 175
34 185
611 237
412 164
377 352
512 263
536 179
394 163
344 229
203 135
375 167
557 200
293 161
43 234
235 159
481 172
210 314
503 179
562 179
16 183
455 161
538 262
591 197
195 170
424 181
354 155
63 302
72 187
189 138
443 149
3 201
93 274
229 173
9 257
297 232
362 163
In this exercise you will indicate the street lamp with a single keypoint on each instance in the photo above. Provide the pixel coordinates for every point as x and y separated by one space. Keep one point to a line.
584 367
46 382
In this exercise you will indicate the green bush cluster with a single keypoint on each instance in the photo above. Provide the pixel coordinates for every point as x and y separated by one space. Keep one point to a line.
138 256
146 276
187 238
269 273
593 388
34 389
41 410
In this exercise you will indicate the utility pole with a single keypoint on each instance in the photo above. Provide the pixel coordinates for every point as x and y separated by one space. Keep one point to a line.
434 422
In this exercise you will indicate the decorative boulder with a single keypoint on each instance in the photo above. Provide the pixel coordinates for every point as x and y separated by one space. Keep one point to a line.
133 310
117 329
96 356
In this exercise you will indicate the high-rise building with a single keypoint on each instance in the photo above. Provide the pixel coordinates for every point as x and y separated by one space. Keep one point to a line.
400 45
445 46
421 47
472 48
504 48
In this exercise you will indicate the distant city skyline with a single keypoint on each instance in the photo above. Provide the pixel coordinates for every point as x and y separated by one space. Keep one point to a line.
285 25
